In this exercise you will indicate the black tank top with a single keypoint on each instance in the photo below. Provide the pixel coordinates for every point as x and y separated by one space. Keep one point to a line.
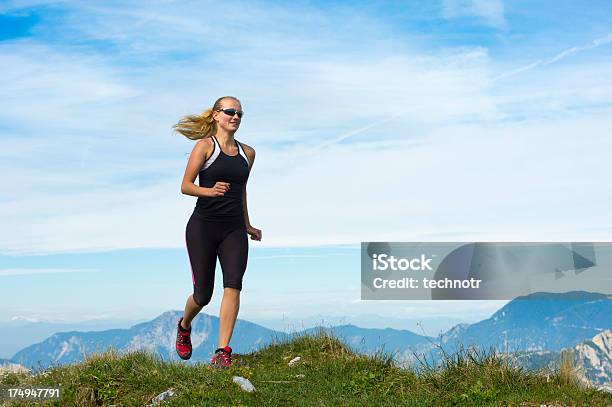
226 168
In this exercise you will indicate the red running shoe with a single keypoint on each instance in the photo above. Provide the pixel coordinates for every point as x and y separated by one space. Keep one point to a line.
222 358
183 341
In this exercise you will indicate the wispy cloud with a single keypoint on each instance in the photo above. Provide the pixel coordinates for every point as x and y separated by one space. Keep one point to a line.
30 271
63 317
593 44
16 318
293 256
491 12
559 56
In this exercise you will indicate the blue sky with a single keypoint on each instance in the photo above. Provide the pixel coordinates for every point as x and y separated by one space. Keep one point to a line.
454 120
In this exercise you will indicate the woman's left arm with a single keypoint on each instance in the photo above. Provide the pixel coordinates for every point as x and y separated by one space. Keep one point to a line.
252 231
250 153
245 210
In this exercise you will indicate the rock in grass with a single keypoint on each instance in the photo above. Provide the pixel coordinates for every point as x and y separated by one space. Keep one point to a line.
244 384
161 397
294 360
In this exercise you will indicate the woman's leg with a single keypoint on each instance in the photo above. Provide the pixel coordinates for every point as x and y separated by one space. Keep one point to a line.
230 304
191 310
200 239
233 254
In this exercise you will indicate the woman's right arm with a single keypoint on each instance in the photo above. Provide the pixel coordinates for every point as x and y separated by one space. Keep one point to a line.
194 165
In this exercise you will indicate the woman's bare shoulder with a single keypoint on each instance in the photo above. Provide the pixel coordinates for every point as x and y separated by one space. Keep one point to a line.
204 147
249 151
247 148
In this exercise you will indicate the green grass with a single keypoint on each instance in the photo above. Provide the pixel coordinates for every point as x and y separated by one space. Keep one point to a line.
328 374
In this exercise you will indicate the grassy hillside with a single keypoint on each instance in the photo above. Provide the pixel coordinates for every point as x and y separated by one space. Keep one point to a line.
328 374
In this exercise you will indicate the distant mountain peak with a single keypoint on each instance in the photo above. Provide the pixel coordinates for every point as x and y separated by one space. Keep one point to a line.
595 357
604 341
567 296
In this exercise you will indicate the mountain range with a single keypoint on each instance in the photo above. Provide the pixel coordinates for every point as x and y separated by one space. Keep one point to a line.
537 326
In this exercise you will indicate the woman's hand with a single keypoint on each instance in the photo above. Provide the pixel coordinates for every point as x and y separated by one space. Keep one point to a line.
219 189
254 233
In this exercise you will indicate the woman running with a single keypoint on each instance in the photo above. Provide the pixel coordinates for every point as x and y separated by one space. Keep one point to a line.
219 224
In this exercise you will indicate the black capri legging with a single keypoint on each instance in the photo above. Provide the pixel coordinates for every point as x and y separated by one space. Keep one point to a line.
205 240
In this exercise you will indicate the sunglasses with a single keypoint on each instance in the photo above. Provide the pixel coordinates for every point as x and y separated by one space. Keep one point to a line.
231 112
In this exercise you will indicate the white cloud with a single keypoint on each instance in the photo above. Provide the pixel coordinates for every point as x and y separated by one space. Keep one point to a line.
24 318
44 88
559 56
490 11
360 135
29 271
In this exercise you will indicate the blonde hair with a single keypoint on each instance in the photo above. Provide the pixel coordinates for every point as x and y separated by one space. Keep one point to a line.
201 125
